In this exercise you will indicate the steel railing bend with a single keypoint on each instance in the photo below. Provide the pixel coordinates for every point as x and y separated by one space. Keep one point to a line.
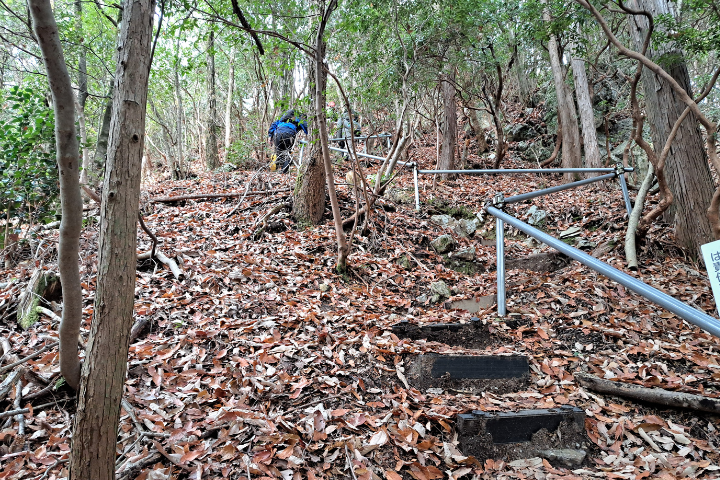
684 311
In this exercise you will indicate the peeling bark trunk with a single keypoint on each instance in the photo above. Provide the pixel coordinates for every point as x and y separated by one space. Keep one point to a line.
687 173
449 134
587 117
566 110
46 31
103 374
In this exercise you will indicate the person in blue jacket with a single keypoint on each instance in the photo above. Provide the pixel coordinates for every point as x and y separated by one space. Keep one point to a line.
282 134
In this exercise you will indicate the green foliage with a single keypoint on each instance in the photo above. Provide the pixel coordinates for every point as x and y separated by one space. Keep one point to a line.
28 168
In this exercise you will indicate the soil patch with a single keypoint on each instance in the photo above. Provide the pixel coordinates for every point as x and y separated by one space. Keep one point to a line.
475 334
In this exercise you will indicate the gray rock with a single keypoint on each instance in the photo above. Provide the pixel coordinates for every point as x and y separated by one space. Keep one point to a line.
529 111
565 456
465 228
401 196
522 146
440 289
520 132
435 298
536 216
582 243
422 299
442 220
324 287
443 244
467 254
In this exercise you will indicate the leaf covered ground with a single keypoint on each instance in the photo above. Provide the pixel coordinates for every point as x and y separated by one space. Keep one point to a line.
262 362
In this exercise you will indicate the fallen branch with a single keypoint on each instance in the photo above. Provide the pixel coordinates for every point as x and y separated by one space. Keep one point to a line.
29 357
203 196
27 410
169 262
41 393
650 395
137 328
9 382
132 469
264 221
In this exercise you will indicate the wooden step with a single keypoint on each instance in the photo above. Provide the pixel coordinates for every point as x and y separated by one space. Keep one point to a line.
469 373
522 434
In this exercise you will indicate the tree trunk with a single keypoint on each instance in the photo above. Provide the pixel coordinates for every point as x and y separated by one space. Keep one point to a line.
46 32
211 145
587 117
102 141
566 109
103 375
687 170
178 168
449 134
229 102
82 93
309 195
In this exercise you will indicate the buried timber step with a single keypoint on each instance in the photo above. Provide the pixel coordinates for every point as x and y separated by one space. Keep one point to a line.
474 334
469 374
557 434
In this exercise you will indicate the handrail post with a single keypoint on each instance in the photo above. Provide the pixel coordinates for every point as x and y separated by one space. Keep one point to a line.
620 171
417 190
499 202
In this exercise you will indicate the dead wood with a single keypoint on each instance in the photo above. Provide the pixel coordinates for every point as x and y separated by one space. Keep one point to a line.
10 381
264 220
651 395
204 196
29 357
162 258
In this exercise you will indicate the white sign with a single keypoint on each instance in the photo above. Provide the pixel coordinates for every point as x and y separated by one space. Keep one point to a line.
711 255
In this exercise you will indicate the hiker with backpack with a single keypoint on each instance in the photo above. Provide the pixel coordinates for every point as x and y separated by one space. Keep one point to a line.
282 134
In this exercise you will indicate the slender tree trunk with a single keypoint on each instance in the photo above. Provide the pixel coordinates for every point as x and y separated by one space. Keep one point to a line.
211 144
46 32
449 141
102 141
178 167
82 93
687 170
566 109
587 117
309 195
229 103
94 439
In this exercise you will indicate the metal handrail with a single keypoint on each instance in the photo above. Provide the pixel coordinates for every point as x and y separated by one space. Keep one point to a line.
546 191
684 311
512 171
618 171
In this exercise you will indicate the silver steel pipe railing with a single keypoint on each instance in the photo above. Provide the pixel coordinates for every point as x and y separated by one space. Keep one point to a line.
387 135
513 171
682 310
546 191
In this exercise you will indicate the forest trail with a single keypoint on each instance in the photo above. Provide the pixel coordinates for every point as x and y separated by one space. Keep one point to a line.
262 360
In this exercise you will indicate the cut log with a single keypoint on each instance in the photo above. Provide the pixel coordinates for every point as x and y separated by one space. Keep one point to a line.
204 196
651 395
